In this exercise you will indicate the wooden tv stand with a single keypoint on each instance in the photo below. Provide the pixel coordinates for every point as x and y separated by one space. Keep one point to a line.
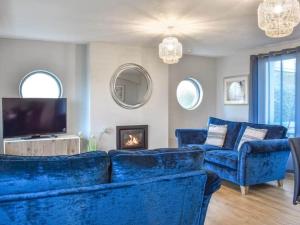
50 146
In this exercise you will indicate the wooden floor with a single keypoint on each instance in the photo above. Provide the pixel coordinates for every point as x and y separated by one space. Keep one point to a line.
264 205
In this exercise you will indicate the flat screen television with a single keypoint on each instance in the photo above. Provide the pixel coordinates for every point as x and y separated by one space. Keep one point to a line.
32 117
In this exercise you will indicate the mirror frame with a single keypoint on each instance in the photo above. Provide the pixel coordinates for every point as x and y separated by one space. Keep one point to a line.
115 77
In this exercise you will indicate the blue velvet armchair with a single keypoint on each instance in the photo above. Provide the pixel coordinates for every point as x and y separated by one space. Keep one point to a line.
255 163
120 188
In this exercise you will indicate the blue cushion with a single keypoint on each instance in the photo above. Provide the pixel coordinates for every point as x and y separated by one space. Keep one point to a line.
132 165
223 172
274 131
226 158
21 174
233 129
203 147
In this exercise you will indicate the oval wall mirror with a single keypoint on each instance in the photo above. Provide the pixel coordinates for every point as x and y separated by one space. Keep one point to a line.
131 86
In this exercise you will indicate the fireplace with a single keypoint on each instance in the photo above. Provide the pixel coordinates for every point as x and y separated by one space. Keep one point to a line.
132 137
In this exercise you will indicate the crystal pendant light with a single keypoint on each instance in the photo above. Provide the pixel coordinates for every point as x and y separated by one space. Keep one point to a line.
170 49
278 17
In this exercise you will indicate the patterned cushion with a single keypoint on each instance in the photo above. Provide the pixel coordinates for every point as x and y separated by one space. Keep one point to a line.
274 131
233 131
252 134
216 135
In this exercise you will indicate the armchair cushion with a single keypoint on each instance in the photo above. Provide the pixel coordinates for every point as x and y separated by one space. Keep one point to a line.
223 172
226 158
233 129
132 165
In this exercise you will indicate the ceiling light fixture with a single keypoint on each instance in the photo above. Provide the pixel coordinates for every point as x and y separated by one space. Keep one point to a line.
278 17
170 49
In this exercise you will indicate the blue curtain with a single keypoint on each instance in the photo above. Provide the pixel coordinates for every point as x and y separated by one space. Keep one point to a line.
297 119
257 89
253 89
258 84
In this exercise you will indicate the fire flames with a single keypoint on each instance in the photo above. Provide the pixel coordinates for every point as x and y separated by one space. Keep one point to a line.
132 141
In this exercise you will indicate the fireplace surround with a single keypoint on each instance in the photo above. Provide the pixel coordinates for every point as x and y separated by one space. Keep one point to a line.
132 137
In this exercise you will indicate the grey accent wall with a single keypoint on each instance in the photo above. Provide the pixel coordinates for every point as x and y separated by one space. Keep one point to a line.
231 66
67 61
204 70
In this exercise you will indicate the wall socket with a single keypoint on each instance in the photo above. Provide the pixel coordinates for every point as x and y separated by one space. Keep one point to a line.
108 130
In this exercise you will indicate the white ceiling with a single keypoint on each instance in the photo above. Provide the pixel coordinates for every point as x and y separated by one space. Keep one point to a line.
206 27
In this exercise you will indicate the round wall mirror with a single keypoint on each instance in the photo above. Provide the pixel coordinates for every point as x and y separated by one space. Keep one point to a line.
131 86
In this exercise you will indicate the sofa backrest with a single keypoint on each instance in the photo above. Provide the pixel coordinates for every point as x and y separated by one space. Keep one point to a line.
21 174
233 129
132 165
174 199
274 131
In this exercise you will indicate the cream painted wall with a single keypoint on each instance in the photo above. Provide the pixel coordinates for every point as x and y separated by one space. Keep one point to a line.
239 64
204 70
104 59
67 61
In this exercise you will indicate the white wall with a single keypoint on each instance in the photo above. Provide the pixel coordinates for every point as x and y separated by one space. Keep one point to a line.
204 70
104 59
67 61
239 64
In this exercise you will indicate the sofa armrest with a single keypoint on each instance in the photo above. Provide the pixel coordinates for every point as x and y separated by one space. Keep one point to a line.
213 183
190 136
262 161
264 146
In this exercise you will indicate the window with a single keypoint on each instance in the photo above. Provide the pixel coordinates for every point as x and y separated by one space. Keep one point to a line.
281 92
40 84
189 94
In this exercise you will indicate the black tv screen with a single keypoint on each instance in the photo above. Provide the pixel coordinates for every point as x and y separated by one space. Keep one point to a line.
33 116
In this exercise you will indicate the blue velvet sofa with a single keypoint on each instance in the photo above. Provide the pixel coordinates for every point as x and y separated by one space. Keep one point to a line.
158 187
256 162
